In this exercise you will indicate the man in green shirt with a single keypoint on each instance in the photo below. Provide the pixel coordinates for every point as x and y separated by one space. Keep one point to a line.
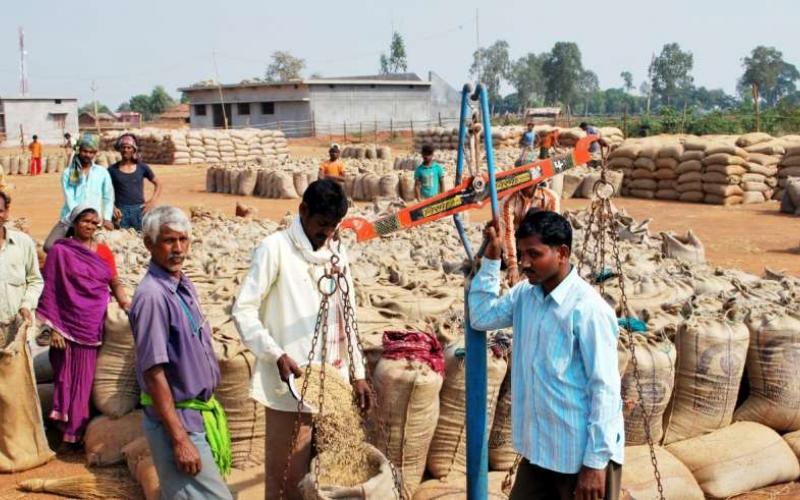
429 176
20 280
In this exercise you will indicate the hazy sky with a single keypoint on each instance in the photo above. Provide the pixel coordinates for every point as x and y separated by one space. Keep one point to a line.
128 47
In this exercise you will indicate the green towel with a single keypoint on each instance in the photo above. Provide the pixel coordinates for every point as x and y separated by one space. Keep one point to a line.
215 424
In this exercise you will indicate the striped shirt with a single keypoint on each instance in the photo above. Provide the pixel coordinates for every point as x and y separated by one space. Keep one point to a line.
566 404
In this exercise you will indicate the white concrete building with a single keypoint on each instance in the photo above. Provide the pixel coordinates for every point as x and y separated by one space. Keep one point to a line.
326 105
47 117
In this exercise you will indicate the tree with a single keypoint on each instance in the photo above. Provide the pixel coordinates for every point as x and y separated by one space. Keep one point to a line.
671 76
160 100
284 67
396 61
89 107
526 76
627 79
773 77
185 98
141 104
492 65
564 73
125 106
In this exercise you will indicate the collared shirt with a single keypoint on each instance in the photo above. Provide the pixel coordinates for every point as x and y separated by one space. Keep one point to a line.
566 405
95 188
166 335
20 280
276 312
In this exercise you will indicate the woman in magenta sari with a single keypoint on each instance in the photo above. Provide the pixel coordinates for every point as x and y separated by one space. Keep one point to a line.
79 277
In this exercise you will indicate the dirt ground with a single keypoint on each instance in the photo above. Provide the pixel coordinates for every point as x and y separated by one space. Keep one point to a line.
749 237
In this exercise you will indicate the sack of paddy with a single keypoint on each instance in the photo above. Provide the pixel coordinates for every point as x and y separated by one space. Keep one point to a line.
752 139
23 444
246 418
219 180
723 190
389 186
655 355
407 380
140 464
687 248
589 182
793 440
742 457
283 186
501 448
790 201
713 199
211 186
115 391
106 437
774 398
247 182
348 466
448 453
407 187
300 180
638 476
572 185
711 356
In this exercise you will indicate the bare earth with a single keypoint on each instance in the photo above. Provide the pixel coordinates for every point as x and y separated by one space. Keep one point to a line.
749 237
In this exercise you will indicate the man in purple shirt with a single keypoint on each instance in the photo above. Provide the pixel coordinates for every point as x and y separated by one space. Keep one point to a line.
175 365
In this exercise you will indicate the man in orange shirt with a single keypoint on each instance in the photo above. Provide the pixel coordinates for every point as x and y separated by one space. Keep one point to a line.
547 141
36 156
332 169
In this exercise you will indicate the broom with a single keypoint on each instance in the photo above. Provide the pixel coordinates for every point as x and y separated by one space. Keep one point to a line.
86 486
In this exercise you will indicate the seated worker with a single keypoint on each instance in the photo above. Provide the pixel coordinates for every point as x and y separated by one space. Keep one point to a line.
333 169
428 176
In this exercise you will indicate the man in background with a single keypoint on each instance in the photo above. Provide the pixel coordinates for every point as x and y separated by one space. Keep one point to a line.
428 176
36 156
21 282
594 148
333 169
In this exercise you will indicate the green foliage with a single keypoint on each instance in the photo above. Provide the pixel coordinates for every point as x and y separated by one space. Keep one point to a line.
627 81
89 107
774 77
492 66
284 67
527 77
564 74
149 105
396 61
670 75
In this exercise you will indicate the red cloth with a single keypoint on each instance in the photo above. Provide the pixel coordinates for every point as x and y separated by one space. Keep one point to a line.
36 166
107 255
416 346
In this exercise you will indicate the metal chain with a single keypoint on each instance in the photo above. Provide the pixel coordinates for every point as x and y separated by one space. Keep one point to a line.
601 210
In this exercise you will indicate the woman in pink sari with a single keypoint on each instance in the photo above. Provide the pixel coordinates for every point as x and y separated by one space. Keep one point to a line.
78 275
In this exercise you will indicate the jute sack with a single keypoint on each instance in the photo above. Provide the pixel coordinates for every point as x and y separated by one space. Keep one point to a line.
284 186
389 186
727 169
742 457
638 477
667 194
408 390
685 187
115 391
247 182
656 359
448 452
750 197
246 418
379 487
689 155
711 356
106 437
643 193
23 444
687 248
793 440
774 398
140 464
219 180
752 138
713 199
407 187
720 178
572 185
689 166
300 180
211 180
501 449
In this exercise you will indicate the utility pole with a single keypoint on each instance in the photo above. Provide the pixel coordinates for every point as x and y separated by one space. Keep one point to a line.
94 100
478 43
23 72
219 87
755 107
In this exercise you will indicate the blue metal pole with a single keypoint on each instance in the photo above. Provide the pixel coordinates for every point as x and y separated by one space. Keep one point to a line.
476 347
462 140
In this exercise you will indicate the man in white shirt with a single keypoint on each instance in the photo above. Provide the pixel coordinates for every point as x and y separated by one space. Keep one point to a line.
276 313
20 280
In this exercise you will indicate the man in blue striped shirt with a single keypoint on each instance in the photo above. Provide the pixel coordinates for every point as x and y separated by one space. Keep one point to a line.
566 405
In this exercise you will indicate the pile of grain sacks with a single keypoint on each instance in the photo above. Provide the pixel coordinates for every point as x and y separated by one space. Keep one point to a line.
21 164
719 170
183 147
509 136
369 152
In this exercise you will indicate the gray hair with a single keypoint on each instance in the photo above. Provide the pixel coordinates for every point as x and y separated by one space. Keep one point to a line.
165 215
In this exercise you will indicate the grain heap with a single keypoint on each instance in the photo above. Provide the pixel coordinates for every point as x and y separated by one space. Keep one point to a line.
181 147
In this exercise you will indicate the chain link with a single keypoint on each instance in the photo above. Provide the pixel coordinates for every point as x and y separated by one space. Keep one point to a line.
602 213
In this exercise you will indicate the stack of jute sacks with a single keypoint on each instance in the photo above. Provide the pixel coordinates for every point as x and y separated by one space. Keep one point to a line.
179 147
720 170
789 167
21 164
509 136
368 152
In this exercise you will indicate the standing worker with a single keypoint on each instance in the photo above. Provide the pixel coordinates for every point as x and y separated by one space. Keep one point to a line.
276 313
526 143
566 409
333 169
69 147
428 176
127 177
84 182
547 141
176 368
20 280
594 148
36 156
